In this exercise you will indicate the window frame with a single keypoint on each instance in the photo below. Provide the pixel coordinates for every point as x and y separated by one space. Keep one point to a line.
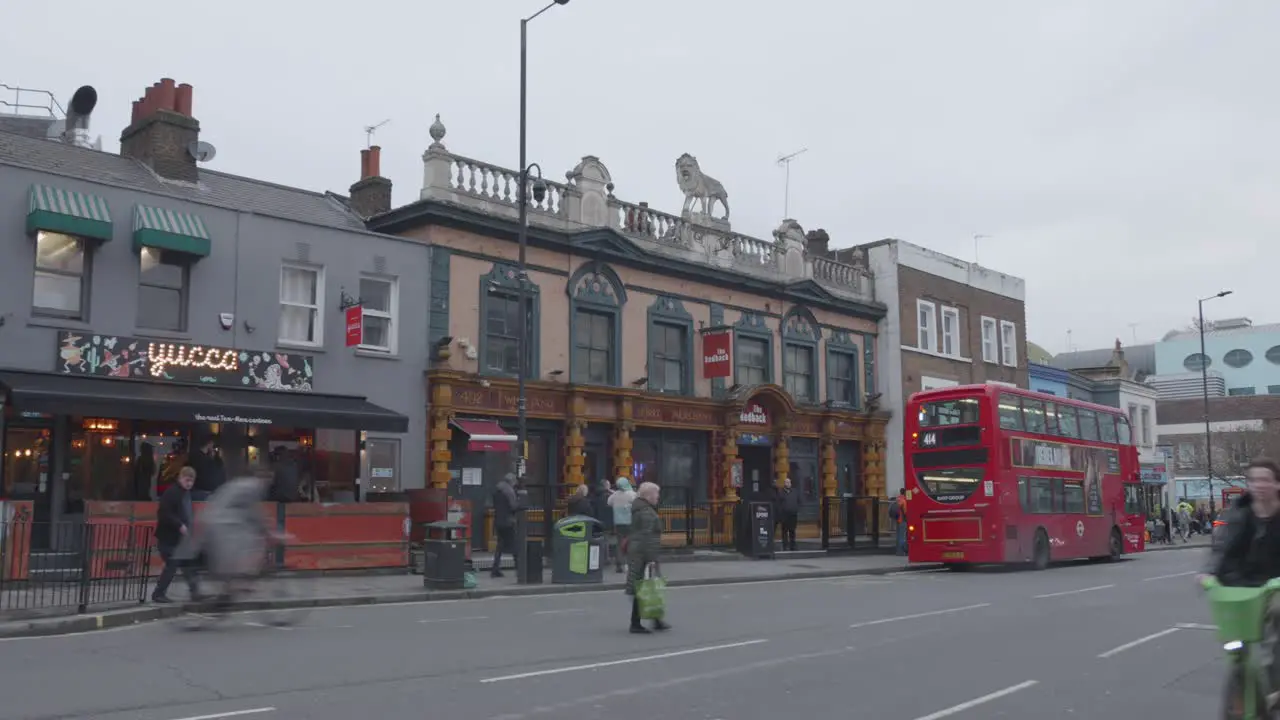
86 272
810 372
751 327
613 359
398 455
1144 413
953 313
851 353
392 316
1009 348
666 313
502 281
929 333
596 290
990 341
184 293
318 271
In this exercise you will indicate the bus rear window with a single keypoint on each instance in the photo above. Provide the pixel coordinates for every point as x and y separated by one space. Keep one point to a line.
962 411
950 485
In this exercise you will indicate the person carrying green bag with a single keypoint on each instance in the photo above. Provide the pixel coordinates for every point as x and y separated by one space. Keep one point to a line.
644 584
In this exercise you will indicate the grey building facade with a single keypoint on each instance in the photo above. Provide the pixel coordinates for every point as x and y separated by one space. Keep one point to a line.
143 298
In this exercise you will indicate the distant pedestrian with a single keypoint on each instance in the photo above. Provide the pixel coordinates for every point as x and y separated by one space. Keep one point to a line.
174 521
210 472
898 514
789 514
621 501
580 502
505 506
643 546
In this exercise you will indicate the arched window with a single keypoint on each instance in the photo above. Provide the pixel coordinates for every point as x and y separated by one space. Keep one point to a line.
670 347
596 297
800 336
842 369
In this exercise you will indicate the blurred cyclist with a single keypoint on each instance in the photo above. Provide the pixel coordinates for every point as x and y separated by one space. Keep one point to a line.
233 534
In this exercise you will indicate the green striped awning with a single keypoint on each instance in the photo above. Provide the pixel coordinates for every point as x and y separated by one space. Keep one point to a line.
169 230
57 210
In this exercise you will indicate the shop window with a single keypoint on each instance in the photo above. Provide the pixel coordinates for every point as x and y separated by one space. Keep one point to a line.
61 276
99 465
593 348
301 305
162 290
379 306
26 463
803 470
675 461
383 457
668 361
842 377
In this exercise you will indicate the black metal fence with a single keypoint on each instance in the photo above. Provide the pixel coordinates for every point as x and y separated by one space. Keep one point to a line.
73 565
860 522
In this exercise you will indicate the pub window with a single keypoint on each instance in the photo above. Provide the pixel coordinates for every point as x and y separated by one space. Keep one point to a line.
301 308
1068 422
379 305
1107 428
502 333
593 348
1010 412
61 276
162 290
797 371
753 361
1073 498
667 362
1089 425
1033 415
842 377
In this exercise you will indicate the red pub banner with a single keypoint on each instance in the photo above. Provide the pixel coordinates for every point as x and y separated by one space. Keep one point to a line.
355 325
717 358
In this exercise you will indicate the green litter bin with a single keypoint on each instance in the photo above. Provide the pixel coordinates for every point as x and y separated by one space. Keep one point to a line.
577 551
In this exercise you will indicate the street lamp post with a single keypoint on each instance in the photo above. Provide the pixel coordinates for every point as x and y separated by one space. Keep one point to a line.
522 341
1204 381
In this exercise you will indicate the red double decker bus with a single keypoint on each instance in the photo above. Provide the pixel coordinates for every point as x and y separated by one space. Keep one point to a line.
996 474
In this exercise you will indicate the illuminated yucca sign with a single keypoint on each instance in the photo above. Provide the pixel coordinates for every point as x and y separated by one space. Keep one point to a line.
167 361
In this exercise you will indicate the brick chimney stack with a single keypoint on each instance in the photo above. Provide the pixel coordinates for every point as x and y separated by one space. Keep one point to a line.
817 242
161 131
371 195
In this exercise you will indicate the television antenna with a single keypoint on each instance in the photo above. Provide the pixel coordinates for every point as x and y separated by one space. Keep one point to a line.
369 130
785 162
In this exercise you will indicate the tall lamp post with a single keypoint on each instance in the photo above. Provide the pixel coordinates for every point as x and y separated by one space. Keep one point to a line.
539 192
1204 380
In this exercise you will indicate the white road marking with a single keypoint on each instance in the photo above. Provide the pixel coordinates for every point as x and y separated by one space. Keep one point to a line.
233 713
931 613
561 611
628 661
1074 592
649 688
82 633
954 709
457 619
1196 626
1173 575
1136 643
265 625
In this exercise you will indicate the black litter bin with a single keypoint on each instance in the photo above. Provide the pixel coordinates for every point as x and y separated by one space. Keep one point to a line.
577 547
444 555
533 563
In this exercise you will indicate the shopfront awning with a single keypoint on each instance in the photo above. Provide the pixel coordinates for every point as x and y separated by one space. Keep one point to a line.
162 229
485 435
58 210
137 400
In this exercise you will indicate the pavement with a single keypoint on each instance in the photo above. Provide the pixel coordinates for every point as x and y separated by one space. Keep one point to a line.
1109 640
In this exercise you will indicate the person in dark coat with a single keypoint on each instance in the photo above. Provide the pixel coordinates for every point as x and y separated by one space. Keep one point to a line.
284 482
144 471
506 504
174 521
788 505
580 502
210 473
643 546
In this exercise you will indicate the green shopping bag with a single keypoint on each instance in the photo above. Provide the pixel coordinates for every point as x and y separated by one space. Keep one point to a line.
651 594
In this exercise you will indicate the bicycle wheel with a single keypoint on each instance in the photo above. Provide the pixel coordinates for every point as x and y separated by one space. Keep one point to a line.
285 598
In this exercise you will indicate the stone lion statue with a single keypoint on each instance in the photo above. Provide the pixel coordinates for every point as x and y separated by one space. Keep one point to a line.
697 186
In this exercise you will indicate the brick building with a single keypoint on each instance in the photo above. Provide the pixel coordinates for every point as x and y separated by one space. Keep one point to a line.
1242 427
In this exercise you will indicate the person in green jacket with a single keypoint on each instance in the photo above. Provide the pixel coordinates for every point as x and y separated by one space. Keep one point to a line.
643 545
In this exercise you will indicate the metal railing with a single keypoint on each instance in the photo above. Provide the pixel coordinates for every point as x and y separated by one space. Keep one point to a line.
47 566
855 522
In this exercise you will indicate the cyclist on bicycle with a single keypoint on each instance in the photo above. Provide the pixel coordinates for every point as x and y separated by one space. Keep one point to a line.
233 534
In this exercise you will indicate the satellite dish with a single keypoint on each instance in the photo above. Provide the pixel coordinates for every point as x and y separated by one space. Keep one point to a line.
201 150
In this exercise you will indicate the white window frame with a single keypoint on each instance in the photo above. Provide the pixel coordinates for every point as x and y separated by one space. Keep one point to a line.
318 308
990 348
393 316
954 336
1145 412
930 333
1009 345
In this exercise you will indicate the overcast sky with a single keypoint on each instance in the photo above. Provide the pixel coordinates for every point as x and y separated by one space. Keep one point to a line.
1119 156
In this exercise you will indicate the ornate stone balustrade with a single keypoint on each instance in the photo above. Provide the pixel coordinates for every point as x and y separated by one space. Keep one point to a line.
586 200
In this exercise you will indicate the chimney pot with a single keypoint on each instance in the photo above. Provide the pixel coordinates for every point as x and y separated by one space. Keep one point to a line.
166 94
137 105
364 164
160 140
182 100
375 161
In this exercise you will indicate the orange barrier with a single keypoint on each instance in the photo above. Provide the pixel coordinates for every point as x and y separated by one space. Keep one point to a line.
15 538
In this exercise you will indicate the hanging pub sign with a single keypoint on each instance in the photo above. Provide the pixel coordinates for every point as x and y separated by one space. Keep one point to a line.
133 358
355 325
717 358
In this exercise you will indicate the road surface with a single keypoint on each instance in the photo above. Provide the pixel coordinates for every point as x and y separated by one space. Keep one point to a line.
1122 640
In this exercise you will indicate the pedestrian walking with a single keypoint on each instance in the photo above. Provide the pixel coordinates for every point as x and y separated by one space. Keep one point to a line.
898 514
579 502
505 506
621 501
643 545
174 522
789 514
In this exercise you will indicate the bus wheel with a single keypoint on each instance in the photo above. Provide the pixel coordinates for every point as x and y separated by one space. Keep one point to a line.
1116 547
1040 551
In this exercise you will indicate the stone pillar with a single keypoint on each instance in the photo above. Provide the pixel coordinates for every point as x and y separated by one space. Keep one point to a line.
437 165
729 452
623 464
830 484
439 433
781 461
873 467
574 459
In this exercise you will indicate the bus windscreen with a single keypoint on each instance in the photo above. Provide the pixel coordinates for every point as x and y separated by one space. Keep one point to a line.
950 485
961 411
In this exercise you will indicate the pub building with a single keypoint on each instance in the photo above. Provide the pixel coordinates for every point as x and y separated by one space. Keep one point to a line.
116 417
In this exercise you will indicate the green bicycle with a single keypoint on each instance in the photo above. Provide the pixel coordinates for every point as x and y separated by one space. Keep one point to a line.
1240 614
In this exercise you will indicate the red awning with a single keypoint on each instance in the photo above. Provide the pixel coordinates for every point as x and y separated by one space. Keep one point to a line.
485 435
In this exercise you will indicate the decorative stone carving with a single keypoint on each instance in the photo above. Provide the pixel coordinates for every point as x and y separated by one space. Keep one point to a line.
437 131
790 240
594 185
697 186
